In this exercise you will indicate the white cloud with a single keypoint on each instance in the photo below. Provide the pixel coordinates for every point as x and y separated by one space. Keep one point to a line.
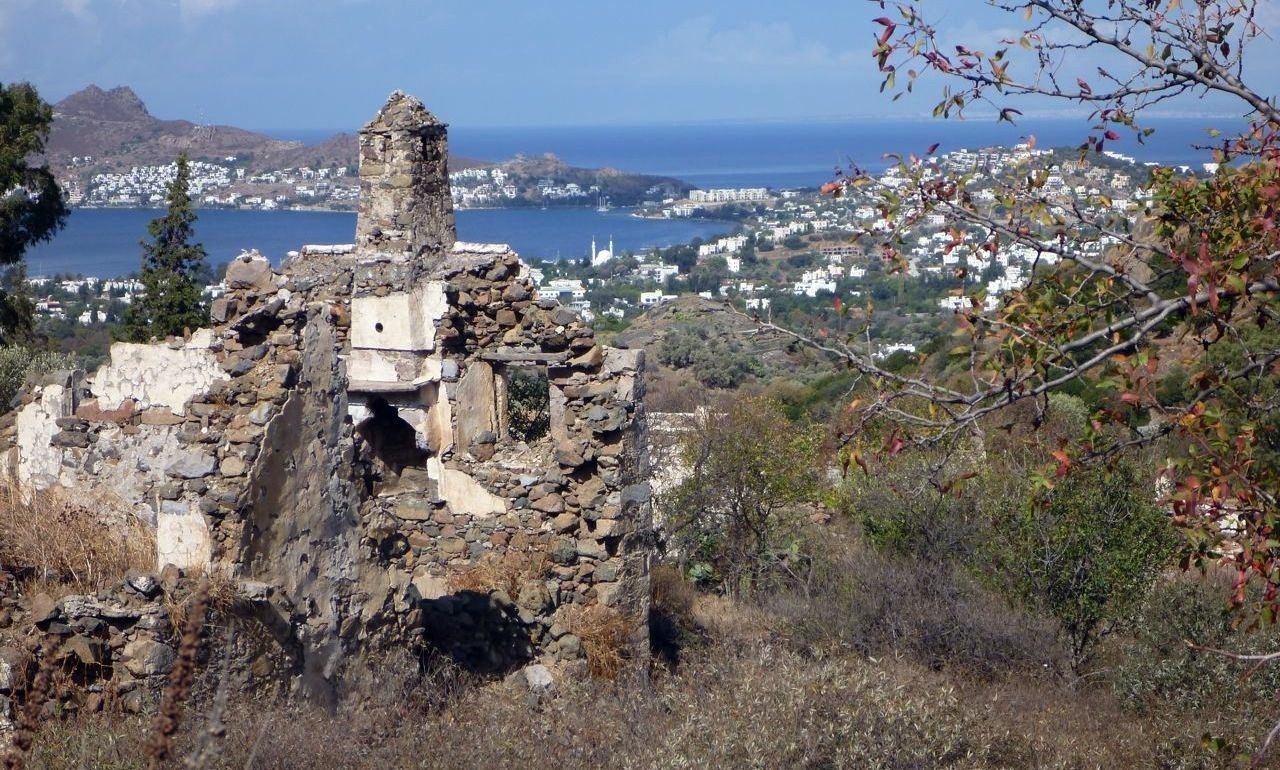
699 45
193 8
79 8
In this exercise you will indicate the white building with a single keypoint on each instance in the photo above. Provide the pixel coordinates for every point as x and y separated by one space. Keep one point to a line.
729 195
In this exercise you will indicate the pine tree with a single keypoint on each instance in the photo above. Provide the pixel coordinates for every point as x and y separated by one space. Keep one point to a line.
32 206
171 297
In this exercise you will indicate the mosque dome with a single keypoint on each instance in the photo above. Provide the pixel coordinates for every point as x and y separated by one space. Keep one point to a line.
604 255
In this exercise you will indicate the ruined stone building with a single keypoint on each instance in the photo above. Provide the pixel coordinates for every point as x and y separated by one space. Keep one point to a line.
346 442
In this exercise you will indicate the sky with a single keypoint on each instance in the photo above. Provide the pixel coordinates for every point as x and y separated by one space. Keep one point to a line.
329 64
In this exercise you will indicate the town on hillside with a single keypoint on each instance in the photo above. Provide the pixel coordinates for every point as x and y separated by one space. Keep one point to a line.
783 252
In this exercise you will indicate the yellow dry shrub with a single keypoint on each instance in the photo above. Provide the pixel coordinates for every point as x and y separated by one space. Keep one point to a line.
501 572
603 631
50 539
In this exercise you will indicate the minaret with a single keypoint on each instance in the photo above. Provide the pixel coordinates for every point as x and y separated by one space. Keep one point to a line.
593 249
611 254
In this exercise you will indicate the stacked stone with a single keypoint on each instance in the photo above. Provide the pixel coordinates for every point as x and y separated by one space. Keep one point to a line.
183 467
405 205
574 500
117 646
249 464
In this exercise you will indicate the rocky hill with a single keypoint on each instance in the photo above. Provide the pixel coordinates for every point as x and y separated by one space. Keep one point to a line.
115 129
105 147
104 131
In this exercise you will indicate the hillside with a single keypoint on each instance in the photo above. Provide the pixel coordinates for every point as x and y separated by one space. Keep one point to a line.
117 132
697 348
654 327
106 149
115 128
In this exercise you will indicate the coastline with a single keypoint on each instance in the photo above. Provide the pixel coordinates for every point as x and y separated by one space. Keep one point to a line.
102 241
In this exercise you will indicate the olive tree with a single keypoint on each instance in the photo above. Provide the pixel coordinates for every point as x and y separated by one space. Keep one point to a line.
736 517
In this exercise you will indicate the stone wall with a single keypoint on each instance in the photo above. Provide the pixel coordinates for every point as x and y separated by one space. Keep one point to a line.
405 206
340 442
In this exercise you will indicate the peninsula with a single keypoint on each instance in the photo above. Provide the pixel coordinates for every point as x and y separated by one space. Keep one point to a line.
107 149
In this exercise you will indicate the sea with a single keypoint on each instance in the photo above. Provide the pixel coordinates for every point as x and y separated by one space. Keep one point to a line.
778 155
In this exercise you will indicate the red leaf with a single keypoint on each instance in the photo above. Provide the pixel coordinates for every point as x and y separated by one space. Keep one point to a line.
1064 463
1112 136
884 21
932 149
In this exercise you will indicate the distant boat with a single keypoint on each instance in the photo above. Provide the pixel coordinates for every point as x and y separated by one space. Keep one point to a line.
602 204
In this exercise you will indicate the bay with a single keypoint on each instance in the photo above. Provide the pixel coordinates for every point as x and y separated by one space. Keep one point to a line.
788 154
783 155
105 242
778 155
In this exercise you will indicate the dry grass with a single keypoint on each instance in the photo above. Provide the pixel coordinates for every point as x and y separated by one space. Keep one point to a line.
603 631
54 543
218 591
172 702
27 725
764 706
671 592
505 572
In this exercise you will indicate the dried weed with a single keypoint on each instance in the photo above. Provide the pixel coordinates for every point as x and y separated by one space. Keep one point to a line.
57 544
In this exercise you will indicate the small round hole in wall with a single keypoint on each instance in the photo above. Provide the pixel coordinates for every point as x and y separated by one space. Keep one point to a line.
378 327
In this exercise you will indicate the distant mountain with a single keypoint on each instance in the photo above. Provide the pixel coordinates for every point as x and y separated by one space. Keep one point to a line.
116 130
102 142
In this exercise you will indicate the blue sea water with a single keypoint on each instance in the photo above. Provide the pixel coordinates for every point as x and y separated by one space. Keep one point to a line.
781 155
105 242
785 155
778 155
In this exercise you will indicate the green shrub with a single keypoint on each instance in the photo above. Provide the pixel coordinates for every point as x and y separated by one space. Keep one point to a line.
736 520
903 511
1085 553
717 362
17 364
528 404
1154 669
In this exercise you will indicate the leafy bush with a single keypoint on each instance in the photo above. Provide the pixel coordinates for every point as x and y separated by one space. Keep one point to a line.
17 364
1086 552
528 404
1155 669
716 362
903 511
736 519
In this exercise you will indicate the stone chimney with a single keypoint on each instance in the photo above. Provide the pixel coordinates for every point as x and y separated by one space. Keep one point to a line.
405 207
